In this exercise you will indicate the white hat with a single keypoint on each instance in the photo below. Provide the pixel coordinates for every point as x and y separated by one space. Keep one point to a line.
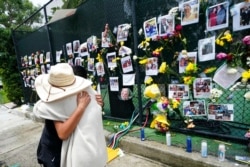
59 83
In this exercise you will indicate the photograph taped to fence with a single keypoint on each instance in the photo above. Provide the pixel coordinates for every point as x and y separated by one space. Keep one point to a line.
223 112
150 28
190 12
206 49
241 16
166 25
194 108
179 91
217 16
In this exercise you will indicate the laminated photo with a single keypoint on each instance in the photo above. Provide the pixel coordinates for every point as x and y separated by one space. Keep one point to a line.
241 17
152 66
114 84
206 49
91 66
78 61
166 25
202 87
92 43
223 112
76 45
185 59
190 12
180 91
99 68
126 64
58 56
150 28
69 49
194 108
217 16
122 32
111 59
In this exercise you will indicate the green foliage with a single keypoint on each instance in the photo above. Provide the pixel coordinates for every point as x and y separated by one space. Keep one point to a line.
12 14
68 4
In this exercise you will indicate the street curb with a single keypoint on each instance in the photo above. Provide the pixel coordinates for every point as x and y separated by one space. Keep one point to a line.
170 155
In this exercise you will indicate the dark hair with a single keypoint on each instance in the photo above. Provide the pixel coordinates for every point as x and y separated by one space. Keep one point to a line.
80 71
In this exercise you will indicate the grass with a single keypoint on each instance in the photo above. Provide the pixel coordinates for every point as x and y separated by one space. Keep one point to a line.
3 97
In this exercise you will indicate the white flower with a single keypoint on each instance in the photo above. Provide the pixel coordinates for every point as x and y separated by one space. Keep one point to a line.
173 11
247 96
140 31
126 27
135 57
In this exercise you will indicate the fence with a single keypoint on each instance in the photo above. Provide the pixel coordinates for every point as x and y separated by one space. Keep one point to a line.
90 19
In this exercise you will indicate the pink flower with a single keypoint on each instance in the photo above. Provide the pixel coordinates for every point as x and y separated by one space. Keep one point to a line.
246 40
221 56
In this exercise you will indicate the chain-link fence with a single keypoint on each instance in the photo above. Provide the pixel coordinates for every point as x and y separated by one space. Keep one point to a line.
90 19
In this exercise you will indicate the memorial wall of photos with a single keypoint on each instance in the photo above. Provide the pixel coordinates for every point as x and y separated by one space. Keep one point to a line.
96 56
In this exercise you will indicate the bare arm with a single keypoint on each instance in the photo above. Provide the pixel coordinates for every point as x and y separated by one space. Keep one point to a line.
64 129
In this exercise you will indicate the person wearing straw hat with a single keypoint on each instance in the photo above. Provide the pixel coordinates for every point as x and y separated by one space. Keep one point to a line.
60 92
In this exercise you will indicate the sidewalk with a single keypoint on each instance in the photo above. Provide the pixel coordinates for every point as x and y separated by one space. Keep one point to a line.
169 155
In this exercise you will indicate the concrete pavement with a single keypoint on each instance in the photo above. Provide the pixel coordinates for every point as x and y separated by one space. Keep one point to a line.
20 132
19 136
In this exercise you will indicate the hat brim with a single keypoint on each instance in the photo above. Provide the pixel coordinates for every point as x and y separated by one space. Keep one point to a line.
49 93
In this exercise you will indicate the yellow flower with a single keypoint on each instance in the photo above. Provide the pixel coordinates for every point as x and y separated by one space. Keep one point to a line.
163 67
219 42
246 75
99 58
157 51
228 38
188 80
149 80
143 61
144 44
122 43
191 67
176 103
209 70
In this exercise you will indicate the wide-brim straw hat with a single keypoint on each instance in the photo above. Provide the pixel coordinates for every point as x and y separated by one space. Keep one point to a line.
59 83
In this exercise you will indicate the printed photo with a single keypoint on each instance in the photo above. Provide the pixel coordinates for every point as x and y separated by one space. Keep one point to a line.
99 68
58 56
47 57
78 61
76 45
92 43
41 57
111 59
91 65
185 59
206 49
166 25
126 64
83 50
152 66
122 32
223 112
202 87
194 108
180 91
190 12
150 28
114 84
69 49
217 16
105 40
124 50
241 18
